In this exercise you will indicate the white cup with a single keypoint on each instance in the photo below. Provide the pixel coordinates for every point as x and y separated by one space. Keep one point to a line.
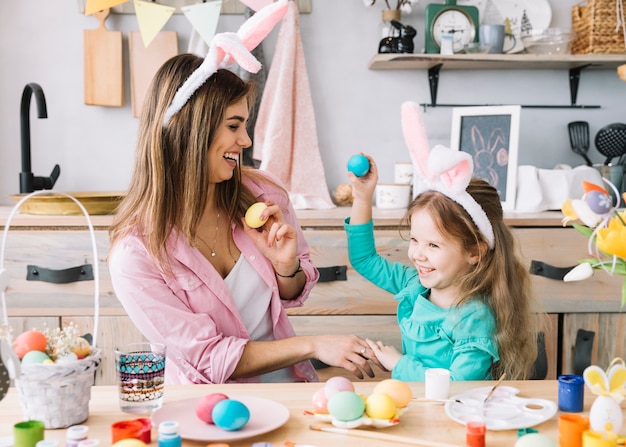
393 195
437 383
403 172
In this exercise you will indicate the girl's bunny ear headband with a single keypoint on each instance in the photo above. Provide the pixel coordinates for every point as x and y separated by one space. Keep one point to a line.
442 169
227 48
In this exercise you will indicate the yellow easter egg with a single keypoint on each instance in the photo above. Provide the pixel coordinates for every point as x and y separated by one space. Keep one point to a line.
380 406
398 390
130 442
81 348
253 215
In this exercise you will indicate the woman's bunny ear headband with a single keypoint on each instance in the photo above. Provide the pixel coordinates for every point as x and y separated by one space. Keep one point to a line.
442 169
227 48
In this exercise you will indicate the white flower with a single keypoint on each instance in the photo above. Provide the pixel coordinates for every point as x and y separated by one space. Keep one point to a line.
585 214
369 3
579 273
406 8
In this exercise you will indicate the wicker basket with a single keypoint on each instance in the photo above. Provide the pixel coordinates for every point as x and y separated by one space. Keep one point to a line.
595 24
57 394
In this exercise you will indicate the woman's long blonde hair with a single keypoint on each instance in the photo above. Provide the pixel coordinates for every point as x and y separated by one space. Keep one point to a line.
170 182
499 278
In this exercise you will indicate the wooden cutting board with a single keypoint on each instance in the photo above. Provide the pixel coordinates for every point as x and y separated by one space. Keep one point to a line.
144 63
103 65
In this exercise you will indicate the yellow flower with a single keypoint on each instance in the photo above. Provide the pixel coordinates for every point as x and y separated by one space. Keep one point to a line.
612 239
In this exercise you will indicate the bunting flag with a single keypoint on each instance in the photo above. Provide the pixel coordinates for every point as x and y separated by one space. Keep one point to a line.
100 5
151 17
204 18
255 5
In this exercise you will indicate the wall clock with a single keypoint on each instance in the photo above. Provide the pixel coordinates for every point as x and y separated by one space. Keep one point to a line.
450 18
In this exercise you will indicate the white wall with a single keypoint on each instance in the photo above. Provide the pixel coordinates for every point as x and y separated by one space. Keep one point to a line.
357 109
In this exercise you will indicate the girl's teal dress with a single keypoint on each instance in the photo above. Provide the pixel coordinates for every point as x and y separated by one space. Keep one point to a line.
461 338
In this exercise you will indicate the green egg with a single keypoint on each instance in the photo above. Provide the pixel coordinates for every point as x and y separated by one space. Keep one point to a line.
346 406
34 357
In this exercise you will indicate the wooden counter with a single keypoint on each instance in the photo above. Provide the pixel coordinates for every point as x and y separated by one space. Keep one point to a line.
350 306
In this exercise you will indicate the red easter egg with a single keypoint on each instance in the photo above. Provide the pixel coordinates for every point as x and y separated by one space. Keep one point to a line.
204 407
30 341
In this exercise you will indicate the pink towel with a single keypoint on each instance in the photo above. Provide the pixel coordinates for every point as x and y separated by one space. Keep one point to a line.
285 133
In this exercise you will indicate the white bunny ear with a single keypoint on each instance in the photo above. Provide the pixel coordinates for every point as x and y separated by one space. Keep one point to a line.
415 136
596 379
454 167
226 47
257 27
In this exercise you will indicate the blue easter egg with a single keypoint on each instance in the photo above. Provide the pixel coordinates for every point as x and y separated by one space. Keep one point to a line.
599 202
359 165
230 414
34 357
346 406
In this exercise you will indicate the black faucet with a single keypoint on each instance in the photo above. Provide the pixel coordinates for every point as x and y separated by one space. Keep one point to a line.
28 182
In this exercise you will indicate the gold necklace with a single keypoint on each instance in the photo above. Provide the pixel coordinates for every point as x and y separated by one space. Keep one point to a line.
217 227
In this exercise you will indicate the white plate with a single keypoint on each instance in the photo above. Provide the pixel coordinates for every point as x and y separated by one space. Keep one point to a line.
503 411
522 15
265 415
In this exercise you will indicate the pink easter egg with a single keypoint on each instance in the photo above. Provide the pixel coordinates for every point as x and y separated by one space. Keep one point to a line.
337 384
320 402
204 407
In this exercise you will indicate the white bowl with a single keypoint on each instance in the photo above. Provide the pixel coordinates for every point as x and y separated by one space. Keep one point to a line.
393 195
547 41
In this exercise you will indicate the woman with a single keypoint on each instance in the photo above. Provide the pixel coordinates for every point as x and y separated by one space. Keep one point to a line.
188 270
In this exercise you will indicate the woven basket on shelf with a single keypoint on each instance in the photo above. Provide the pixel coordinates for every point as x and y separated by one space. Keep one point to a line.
57 394
595 24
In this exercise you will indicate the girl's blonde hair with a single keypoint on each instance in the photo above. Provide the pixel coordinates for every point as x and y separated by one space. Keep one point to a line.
500 278
170 182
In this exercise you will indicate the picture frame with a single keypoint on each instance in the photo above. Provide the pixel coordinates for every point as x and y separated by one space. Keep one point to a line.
491 135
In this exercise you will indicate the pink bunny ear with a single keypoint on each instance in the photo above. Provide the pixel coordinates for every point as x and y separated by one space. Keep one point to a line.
455 168
257 27
415 136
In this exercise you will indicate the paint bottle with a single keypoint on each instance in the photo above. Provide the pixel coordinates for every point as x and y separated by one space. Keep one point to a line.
169 435
75 434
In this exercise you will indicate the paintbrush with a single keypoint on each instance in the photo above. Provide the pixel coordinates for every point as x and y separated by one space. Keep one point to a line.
381 436
441 401
494 387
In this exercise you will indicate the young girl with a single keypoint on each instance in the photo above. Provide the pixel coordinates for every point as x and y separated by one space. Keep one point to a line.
465 304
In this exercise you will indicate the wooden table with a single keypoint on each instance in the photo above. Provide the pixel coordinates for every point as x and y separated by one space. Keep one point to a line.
424 421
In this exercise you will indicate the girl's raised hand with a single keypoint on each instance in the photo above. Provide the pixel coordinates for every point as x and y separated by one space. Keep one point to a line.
363 187
387 356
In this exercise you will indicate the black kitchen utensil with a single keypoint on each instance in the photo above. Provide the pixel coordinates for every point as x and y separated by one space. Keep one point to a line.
579 139
611 141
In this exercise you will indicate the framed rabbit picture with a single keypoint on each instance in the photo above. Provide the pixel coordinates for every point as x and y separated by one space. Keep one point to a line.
491 135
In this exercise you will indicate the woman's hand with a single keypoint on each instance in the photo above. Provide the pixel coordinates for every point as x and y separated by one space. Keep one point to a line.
388 356
276 239
346 351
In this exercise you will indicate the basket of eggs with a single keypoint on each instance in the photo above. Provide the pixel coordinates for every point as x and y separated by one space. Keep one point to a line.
54 368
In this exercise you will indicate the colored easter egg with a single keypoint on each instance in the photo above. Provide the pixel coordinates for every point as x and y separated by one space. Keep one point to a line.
230 414
346 406
359 165
398 390
320 401
336 384
81 348
32 357
204 407
599 202
253 215
535 440
30 341
129 442
380 406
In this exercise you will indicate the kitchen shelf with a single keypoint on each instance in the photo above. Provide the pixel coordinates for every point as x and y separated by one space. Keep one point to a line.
434 63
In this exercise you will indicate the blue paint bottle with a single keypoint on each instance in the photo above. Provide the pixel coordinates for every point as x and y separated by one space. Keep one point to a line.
169 435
